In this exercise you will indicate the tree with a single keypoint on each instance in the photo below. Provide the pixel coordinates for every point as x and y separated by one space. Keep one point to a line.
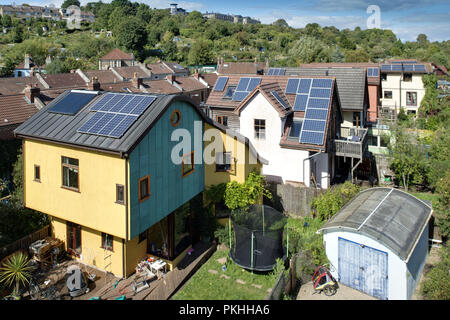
359 55
68 3
170 50
201 53
429 103
281 23
309 49
132 35
422 40
16 272
439 157
338 55
442 209
407 156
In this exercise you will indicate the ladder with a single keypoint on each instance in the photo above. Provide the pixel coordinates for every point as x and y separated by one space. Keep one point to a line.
107 263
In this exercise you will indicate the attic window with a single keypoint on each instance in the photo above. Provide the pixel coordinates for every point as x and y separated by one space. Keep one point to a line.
229 92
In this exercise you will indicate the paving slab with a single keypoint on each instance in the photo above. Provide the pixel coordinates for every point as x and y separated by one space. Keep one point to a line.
307 292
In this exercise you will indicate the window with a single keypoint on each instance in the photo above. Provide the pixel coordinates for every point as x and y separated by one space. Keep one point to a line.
383 77
260 129
175 118
294 131
372 140
142 236
144 188
407 77
388 94
70 171
229 92
222 120
411 98
357 119
73 238
223 161
37 173
120 194
187 164
107 241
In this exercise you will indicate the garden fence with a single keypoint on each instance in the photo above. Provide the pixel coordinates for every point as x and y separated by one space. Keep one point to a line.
25 242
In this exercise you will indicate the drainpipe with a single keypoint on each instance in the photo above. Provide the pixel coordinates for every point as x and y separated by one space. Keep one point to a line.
126 200
309 158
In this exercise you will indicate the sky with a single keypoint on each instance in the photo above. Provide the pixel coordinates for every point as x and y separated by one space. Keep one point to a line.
406 18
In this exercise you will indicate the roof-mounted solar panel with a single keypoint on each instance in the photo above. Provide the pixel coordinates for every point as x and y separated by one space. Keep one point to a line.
304 86
279 99
300 102
220 84
244 87
71 103
292 85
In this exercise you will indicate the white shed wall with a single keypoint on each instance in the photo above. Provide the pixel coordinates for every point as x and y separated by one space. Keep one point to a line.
397 282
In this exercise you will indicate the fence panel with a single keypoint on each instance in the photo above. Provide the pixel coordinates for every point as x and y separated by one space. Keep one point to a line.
25 242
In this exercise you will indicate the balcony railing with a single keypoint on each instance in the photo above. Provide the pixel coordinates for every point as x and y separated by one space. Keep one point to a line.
349 147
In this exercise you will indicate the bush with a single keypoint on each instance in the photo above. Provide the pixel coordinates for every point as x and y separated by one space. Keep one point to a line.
436 283
223 235
329 203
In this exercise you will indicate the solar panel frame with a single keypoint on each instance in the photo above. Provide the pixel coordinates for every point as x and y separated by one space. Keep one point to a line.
312 137
314 125
279 99
300 102
220 84
316 114
292 86
243 84
320 93
304 86
322 83
318 103
71 103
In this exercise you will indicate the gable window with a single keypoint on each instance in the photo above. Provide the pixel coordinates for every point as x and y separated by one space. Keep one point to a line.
229 92
388 94
407 77
187 164
222 120
107 241
144 188
260 129
70 173
223 161
73 238
37 173
411 98
120 194
175 118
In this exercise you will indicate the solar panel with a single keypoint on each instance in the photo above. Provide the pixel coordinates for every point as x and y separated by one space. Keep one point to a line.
376 72
320 93
408 67
292 86
304 86
318 103
280 100
312 137
300 102
419 67
271 71
385 67
282 72
220 83
317 114
242 85
253 84
117 113
71 103
396 67
239 96
314 125
322 83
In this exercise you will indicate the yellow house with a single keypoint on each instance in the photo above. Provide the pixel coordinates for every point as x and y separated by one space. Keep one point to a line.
103 167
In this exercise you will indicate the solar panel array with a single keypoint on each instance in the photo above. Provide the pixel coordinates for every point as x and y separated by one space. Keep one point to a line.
310 92
404 61
115 113
276 72
372 72
220 84
279 99
244 87
71 103
403 67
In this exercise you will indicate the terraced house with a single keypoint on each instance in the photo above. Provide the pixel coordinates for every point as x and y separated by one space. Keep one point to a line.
101 165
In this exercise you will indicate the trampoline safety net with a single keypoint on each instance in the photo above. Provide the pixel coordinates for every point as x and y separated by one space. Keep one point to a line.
258 237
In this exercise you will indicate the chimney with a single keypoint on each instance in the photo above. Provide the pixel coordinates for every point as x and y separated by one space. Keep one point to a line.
94 85
196 74
137 82
171 78
32 92
27 61
32 72
218 60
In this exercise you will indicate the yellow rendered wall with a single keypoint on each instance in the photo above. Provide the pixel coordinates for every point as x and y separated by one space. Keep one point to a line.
240 151
94 205
91 251
135 252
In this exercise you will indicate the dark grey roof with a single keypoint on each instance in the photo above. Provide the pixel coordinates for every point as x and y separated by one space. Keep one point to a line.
351 83
392 217
63 128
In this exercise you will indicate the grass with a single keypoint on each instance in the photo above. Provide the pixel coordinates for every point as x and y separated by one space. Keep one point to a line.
433 197
207 286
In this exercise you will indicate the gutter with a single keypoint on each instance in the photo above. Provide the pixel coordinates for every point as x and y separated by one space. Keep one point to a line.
309 158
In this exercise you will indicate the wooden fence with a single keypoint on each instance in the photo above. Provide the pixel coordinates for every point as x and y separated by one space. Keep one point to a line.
25 242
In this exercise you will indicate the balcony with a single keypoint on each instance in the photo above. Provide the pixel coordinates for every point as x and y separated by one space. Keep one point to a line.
354 146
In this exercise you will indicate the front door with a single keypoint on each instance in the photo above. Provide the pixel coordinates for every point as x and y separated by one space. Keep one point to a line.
73 239
363 268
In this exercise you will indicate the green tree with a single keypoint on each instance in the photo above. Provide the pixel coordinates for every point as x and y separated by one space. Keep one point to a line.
170 50
16 272
429 104
201 53
439 156
338 55
68 3
442 209
308 49
358 55
281 23
132 35
435 285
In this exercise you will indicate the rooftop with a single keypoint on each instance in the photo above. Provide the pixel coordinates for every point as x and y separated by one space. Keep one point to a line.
117 54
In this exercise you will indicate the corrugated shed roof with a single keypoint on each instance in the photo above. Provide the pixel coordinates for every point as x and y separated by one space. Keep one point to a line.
15 109
393 217
351 84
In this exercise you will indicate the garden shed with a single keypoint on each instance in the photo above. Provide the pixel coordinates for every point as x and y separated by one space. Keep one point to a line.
378 242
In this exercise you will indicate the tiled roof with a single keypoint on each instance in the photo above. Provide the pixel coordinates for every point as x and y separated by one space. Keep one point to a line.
158 68
344 65
117 54
103 76
63 80
128 72
13 85
120 87
15 109
240 68
160 86
210 78
189 83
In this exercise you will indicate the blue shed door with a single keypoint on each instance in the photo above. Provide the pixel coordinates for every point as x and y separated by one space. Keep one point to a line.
363 268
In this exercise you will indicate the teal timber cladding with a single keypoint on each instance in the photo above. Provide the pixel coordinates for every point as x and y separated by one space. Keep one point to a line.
152 156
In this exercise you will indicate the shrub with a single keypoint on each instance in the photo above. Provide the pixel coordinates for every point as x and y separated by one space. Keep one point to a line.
329 203
435 285
223 235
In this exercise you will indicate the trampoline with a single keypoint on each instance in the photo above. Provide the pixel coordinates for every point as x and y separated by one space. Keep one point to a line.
258 237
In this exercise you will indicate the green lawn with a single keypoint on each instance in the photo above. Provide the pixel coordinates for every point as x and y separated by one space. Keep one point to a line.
426 196
208 286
